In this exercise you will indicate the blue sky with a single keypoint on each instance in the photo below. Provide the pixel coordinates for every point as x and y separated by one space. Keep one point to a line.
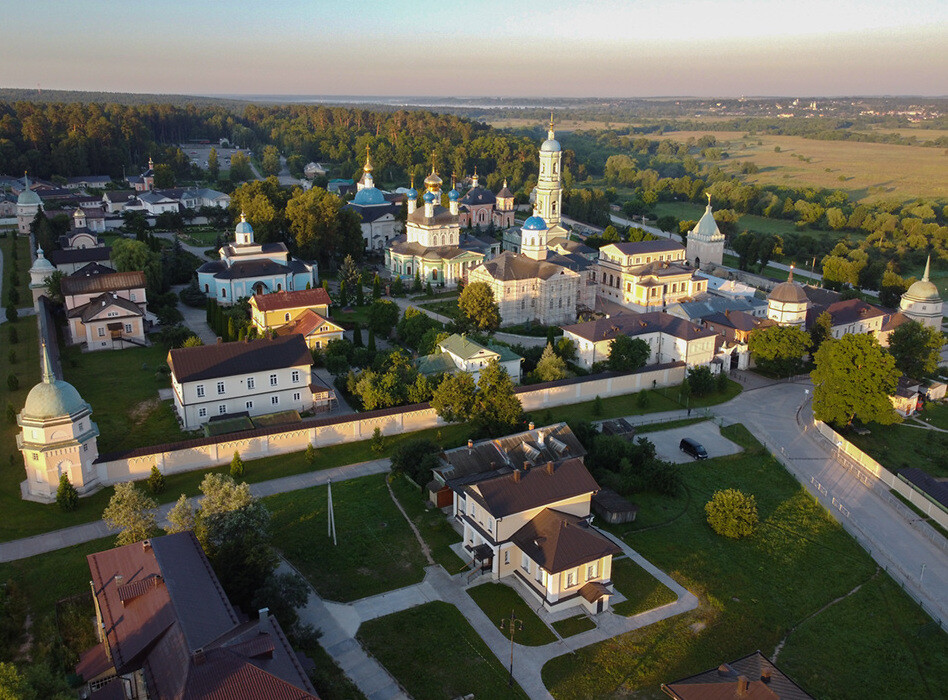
473 48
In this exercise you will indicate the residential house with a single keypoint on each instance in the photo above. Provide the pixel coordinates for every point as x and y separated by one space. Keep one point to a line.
754 677
269 311
318 331
313 170
670 339
86 181
457 353
155 202
115 201
647 275
106 310
907 398
167 631
254 377
735 328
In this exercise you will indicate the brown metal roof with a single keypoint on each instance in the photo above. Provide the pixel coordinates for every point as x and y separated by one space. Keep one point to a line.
534 488
852 310
292 300
762 680
638 324
514 266
305 323
644 247
96 284
559 541
227 359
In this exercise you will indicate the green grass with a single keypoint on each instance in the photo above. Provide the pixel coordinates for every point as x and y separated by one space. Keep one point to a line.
204 238
355 314
752 592
642 590
572 626
899 446
134 416
689 211
447 308
376 550
670 425
935 414
431 523
497 600
435 654
330 681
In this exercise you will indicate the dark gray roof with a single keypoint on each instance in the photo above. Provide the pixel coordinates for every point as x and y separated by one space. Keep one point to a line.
638 324
559 541
373 212
764 682
696 310
116 196
440 216
935 489
821 296
80 255
227 359
252 268
479 195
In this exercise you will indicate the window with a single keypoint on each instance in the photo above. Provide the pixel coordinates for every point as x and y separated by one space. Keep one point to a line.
112 314
296 396
250 383
202 412
274 400
539 574
222 409
286 317
569 579
507 557
273 380
473 510
220 387
223 293
200 390
525 563
132 296
128 327
85 448
295 376
101 332
592 570
490 524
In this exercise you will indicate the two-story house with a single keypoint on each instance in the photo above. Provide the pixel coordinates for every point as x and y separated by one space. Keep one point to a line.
534 524
670 339
105 310
457 353
647 275
305 311
254 377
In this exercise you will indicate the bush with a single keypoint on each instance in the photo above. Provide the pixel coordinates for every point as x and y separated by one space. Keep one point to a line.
11 357
14 337
378 442
11 413
13 382
597 408
310 454
642 400
732 513
66 495
236 466
416 458
700 381
156 480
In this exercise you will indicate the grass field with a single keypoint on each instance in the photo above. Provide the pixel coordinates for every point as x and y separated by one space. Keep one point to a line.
498 600
641 589
376 549
899 446
436 654
753 592
431 523
869 171
573 625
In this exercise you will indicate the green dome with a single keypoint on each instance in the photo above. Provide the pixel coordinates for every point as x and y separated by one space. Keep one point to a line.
53 399
28 198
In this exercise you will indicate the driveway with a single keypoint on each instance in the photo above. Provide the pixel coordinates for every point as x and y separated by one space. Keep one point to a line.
707 433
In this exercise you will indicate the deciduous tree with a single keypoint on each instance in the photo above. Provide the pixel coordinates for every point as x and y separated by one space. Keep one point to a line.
627 354
477 305
732 513
131 511
854 378
916 349
181 516
779 349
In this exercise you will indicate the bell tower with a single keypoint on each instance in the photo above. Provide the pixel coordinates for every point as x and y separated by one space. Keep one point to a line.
549 185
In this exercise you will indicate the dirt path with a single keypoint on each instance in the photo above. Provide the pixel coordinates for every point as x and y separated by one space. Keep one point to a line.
425 549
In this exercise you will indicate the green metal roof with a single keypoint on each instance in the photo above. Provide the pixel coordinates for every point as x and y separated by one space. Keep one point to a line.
436 363
462 347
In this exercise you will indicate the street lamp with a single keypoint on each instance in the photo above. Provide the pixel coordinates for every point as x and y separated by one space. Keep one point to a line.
513 624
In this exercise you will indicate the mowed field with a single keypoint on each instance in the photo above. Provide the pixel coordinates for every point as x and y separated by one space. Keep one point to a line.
867 171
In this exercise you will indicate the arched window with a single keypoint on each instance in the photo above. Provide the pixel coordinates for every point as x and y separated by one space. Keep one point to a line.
279 287
207 288
286 317
223 293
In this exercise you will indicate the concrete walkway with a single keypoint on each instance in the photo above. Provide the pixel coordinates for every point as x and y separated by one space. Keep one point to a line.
195 319
67 537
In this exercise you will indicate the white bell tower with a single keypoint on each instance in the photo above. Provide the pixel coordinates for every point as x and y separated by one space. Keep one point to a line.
549 202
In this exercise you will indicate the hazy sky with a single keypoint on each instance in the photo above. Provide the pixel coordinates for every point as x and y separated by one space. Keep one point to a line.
472 48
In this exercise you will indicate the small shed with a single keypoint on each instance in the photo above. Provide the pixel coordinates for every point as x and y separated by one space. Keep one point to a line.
613 508
935 391
619 427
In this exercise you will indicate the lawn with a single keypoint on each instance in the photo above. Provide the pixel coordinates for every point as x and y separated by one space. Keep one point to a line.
642 590
431 523
447 308
435 654
899 446
376 550
752 592
573 625
134 416
497 600
686 211
330 681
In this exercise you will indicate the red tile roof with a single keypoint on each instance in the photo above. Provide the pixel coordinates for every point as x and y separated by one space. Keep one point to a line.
292 300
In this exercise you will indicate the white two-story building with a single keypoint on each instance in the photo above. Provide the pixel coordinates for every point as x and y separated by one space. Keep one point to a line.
254 377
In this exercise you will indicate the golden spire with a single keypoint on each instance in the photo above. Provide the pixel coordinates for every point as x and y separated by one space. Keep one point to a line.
243 217
709 198
368 162
790 276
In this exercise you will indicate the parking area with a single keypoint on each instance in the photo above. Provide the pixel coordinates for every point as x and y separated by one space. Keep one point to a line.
707 433
198 153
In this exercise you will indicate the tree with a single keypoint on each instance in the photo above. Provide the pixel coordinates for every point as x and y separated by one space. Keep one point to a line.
213 164
264 203
222 494
627 354
192 341
383 315
892 288
416 283
11 313
916 349
164 176
416 458
240 170
496 408
310 454
236 466
322 227
54 289
282 594
454 397
732 513
128 255
271 160
377 287
181 516
551 366
854 378
378 442
67 498
156 480
779 349
477 305
821 330
132 512
413 326
700 381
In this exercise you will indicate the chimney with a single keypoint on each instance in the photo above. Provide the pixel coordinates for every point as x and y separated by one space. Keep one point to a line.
549 468
264 620
146 545
219 341
741 685
540 438
516 476
119 579
765 675
531 426
199 657
526 465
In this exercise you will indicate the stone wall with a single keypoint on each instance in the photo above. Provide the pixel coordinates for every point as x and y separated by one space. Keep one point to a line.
203 453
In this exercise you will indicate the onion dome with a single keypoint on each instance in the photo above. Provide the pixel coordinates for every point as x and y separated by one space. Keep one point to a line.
52 398
41 264
28 197
368 162
433 182
923 290
244 226
412 193
429 197
534 223
454 195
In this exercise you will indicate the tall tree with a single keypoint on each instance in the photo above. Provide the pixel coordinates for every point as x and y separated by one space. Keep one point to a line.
322 227
821 330
497 410
128 255
916 349
854 378
132 512
551 366
454 397
627 354
264 203
779 349
213 164
477 304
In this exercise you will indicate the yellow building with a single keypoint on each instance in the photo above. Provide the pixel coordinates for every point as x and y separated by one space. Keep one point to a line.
647 275
270 311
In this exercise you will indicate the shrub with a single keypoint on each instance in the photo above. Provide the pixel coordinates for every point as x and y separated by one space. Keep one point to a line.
416 458
11 357
236 466
66 495
14 336
642 400
378 442
156 480
701 381
732 513
310 454
11 413
13 382
597 406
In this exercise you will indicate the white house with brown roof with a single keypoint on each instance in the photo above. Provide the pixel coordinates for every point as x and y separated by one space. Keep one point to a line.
254 377
670 339
106 310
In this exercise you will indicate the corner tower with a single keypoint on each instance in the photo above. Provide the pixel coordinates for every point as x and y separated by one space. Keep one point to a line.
922 302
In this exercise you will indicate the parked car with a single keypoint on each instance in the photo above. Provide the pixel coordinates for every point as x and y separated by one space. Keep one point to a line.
693 448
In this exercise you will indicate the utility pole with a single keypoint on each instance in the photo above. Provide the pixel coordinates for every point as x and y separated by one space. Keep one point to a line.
332 516
513 624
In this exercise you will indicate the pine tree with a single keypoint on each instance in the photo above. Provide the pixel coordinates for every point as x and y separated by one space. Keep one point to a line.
360 294
378 442
66 495
236 466
371 345
377 287
343 296
156 480
357 336
310 454
416 285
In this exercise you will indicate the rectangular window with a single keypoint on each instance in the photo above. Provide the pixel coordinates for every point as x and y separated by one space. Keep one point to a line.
249 404
220 387
250 383
473 510
507 557
592 570
222 409
296 396
539 574
101 332
202 412
569 579
85 448
273 380
295 376
490 525
200 390
274 400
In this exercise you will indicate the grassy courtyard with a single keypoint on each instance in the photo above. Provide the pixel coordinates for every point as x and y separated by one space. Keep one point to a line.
641 590
435 654
497 600
904 445
754 591
376 550
572 626
431 523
